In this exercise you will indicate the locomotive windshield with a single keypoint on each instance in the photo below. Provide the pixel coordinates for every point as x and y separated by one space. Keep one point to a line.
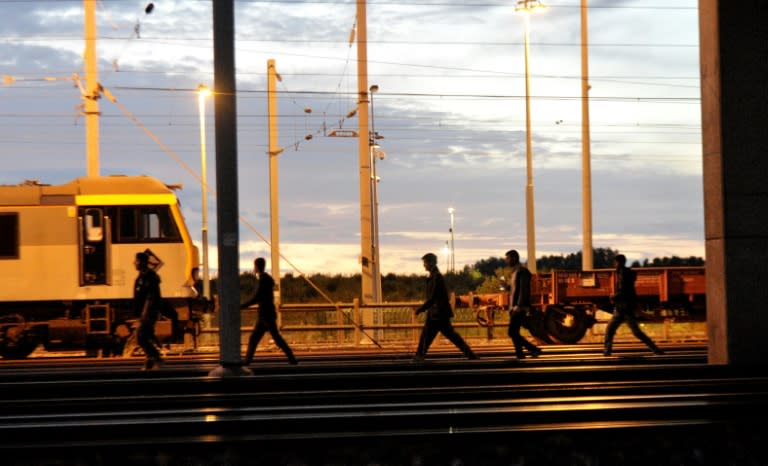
145 224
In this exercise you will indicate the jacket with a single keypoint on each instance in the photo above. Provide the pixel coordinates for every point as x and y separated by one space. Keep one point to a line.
437 304
624 285
520 289
264 297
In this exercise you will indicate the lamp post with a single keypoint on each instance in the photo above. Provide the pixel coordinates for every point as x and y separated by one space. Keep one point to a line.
452 263
202 93
375 152
526 7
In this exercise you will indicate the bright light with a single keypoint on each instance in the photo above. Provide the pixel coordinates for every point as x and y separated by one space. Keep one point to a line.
529 6
203 91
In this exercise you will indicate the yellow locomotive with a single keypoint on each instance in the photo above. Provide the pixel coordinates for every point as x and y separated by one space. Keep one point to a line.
67 262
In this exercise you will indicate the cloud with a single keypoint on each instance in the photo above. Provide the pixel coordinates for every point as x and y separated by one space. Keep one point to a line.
451 109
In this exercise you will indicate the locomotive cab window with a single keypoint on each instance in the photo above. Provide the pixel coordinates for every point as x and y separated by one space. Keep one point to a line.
146 224
94 225
9 235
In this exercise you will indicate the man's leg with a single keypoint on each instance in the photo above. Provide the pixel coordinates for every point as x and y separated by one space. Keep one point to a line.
446 328
253 341
640 335
145 336
610 331
515 322
281 343
428 334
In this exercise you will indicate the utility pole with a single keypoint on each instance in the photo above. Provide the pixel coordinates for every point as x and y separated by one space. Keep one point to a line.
586 170
91 92
369 277
274 151
529 204
202 94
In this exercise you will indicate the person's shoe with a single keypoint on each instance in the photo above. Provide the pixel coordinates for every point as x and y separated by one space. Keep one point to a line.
472 356
658 351
535 353
607 352
149 364
293 361
520 355
418 358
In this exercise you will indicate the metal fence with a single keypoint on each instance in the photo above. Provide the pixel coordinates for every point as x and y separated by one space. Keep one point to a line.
357 325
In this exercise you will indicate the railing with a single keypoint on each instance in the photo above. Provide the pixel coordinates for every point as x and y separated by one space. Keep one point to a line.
355 324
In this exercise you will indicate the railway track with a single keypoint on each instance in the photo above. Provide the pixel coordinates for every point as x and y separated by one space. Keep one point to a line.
335 400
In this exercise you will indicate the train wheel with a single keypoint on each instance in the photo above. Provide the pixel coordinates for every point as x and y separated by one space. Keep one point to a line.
567 324
535 323
16 343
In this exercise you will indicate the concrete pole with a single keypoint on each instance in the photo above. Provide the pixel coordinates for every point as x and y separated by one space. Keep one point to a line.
530 221
226 182
586 169
274 192
91 103
367 255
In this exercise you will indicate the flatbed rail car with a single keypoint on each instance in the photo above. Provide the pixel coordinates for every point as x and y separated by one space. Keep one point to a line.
565 303
67 262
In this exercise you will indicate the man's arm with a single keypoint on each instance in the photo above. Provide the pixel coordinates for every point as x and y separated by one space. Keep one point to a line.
431 290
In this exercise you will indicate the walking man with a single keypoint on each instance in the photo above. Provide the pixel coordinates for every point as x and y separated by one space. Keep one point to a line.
267 320
147 305
439 313
519 304
625 300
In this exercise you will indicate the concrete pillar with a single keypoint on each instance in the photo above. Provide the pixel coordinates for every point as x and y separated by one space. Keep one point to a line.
734 90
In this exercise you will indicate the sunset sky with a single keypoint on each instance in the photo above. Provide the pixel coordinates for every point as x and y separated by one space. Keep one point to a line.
450 108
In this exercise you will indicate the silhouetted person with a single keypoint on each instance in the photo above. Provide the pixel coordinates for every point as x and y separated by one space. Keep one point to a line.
439 313
147 303
625 300
519 286
267 320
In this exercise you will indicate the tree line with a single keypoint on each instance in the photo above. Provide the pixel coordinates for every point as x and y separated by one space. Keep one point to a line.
481 277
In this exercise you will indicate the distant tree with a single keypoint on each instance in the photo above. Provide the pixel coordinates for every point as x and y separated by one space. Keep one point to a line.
484 276
601 258
673 261
491 283
488 266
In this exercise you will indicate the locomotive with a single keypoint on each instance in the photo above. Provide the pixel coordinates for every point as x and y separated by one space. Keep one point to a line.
565 303
67 263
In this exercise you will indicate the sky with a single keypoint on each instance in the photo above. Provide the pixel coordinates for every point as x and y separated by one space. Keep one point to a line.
450 108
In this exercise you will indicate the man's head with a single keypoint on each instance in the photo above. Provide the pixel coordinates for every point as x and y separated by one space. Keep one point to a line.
141 261
259 264
429 260
512 257
620 260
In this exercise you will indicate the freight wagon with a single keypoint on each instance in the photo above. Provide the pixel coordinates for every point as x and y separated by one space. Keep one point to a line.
565 303
67 262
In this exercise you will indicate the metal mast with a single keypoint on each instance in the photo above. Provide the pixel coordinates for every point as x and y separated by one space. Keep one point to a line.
370 277
91 92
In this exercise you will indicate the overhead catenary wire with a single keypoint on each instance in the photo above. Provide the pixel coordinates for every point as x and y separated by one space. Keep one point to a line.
171 153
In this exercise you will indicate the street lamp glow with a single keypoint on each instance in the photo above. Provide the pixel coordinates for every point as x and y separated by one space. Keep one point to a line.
530 6
202 93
